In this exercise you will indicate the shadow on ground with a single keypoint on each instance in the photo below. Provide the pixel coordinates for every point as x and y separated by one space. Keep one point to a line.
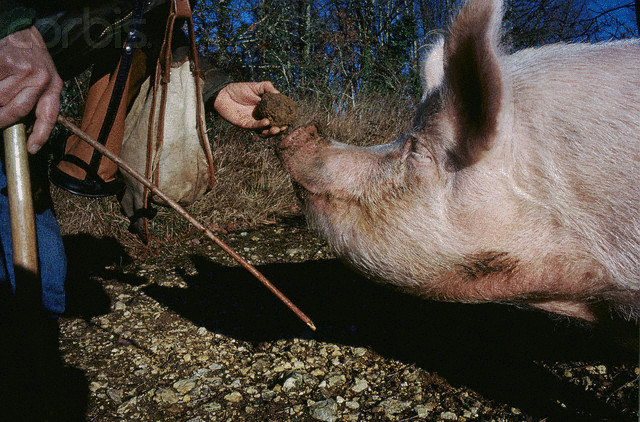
492 349
35 384
89 260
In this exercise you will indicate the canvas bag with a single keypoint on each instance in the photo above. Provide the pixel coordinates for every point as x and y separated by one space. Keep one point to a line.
164 132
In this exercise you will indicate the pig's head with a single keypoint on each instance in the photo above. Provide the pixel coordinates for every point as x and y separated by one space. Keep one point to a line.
395 211
474 204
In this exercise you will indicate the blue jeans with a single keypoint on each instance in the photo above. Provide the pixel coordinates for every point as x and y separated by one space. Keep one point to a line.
53 261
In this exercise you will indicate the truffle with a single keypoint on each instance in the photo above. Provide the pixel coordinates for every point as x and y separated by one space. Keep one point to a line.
278 108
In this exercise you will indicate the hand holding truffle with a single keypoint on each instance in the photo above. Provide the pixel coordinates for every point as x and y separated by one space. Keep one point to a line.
236 103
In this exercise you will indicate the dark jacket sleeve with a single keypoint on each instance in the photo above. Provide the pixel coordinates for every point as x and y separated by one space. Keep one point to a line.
214 80
15 16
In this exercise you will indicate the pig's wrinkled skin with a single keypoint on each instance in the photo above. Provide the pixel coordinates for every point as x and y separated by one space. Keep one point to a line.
520 182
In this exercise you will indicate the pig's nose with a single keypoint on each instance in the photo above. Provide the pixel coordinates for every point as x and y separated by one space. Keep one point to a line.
301 136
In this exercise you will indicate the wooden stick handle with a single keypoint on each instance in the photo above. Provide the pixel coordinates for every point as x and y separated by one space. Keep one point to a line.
23 226
180 210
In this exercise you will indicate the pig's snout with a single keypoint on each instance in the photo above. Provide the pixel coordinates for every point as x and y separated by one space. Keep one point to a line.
299 137
326 167
300 154
301 148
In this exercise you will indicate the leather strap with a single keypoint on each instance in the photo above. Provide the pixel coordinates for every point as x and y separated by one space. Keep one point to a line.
179 9
133 36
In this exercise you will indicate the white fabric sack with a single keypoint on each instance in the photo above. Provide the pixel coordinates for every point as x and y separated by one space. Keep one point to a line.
181 161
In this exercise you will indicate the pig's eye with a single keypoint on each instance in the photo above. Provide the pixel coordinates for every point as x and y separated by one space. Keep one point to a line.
418 151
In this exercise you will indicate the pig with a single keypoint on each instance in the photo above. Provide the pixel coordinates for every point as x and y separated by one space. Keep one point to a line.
518 183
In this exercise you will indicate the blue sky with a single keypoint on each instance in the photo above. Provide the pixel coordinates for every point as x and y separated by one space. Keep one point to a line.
625 15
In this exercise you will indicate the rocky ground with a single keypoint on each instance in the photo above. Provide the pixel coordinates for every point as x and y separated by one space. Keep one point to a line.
190 336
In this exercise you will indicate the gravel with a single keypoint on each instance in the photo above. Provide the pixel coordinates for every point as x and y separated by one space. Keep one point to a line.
188 336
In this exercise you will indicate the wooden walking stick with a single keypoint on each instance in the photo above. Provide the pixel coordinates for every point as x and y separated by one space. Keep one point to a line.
23 225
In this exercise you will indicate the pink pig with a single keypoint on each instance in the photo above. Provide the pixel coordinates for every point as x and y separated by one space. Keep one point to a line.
519 183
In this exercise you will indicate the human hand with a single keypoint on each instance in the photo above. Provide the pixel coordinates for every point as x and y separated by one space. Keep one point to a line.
28 80
236 102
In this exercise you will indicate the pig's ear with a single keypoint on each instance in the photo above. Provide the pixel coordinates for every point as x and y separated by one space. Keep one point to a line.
473 78
433 68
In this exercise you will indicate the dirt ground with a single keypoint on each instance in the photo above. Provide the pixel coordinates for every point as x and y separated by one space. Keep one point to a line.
190 336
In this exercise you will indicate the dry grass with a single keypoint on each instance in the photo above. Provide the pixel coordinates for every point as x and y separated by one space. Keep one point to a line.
251 188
